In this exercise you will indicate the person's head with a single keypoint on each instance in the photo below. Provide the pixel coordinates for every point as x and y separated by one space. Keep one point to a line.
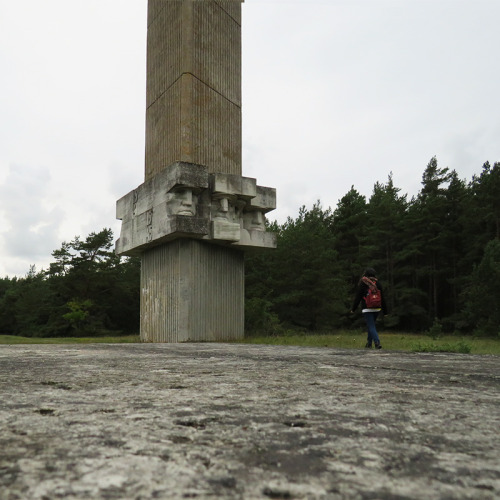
370 272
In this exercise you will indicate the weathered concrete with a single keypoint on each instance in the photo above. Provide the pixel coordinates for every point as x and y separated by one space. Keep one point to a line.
193 127
194 85
185 201
190 292
246 422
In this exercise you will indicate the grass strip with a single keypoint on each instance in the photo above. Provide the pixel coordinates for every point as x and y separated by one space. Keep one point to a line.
14 339
344 340
408 342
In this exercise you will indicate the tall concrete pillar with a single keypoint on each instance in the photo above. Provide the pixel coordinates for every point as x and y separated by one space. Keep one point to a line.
194 84
195 215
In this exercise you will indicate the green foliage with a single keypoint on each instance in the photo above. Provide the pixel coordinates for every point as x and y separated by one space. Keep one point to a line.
348 227
381 246
425 264
436 330
433 254
437 256
87 290
482 295
121 339
391 341
300 282
79 314
458 347
260 319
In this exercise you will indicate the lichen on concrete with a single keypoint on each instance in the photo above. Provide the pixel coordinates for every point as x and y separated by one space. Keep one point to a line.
246 422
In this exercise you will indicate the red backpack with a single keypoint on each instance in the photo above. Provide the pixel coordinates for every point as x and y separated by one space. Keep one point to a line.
373 297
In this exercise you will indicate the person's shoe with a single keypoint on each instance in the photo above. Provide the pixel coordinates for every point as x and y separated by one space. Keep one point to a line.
368 345
377 345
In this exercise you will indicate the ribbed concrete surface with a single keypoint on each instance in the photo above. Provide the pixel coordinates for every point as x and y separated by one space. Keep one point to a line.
194 85
192 291
173 421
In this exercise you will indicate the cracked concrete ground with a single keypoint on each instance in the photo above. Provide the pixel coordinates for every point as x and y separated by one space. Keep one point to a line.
144 421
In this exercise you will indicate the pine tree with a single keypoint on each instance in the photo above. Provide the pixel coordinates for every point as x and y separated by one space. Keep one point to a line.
454 238
348 227
482 221
482 309
424 255
385 214
301 280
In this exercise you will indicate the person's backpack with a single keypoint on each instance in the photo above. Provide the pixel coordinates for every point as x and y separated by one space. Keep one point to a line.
373 297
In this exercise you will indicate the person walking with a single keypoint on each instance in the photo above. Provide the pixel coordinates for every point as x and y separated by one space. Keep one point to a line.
371 296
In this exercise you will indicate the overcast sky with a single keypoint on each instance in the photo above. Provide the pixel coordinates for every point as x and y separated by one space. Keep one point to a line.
335 93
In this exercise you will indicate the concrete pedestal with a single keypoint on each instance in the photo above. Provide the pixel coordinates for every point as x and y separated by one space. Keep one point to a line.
192 291
195 213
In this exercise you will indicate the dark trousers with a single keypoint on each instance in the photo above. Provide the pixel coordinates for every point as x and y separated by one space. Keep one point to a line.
370 318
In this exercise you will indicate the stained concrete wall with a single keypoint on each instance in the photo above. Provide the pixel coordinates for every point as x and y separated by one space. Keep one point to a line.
192 291
194 85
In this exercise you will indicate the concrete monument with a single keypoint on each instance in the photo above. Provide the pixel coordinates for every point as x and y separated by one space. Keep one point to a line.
195 214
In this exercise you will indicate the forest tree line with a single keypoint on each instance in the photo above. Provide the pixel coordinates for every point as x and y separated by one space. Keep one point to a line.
87 290
437 255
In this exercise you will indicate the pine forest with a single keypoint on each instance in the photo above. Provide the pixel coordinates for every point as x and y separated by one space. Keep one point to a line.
436 254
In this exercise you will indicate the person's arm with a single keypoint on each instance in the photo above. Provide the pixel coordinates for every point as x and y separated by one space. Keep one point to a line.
358 297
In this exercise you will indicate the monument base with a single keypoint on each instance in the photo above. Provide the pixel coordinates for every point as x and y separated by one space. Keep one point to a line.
192 291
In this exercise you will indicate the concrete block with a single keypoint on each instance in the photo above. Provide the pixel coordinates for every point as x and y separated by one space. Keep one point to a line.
253 240
125 207
232 7
236 185
207 135
226 231
125 242
184 200
265 199
180 226
192 291
143 198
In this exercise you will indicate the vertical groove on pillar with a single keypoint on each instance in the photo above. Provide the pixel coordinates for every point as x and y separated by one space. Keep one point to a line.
159 295
192 291
218 286
194 86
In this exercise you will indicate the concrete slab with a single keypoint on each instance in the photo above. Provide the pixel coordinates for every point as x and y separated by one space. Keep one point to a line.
246 422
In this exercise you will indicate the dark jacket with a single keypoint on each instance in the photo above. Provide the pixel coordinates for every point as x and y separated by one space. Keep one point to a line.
361 294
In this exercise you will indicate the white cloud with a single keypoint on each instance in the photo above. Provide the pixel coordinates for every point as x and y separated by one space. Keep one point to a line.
30 230
350 91
335 93
72 99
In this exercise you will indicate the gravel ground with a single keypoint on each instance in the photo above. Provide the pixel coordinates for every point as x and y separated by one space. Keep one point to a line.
232 421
